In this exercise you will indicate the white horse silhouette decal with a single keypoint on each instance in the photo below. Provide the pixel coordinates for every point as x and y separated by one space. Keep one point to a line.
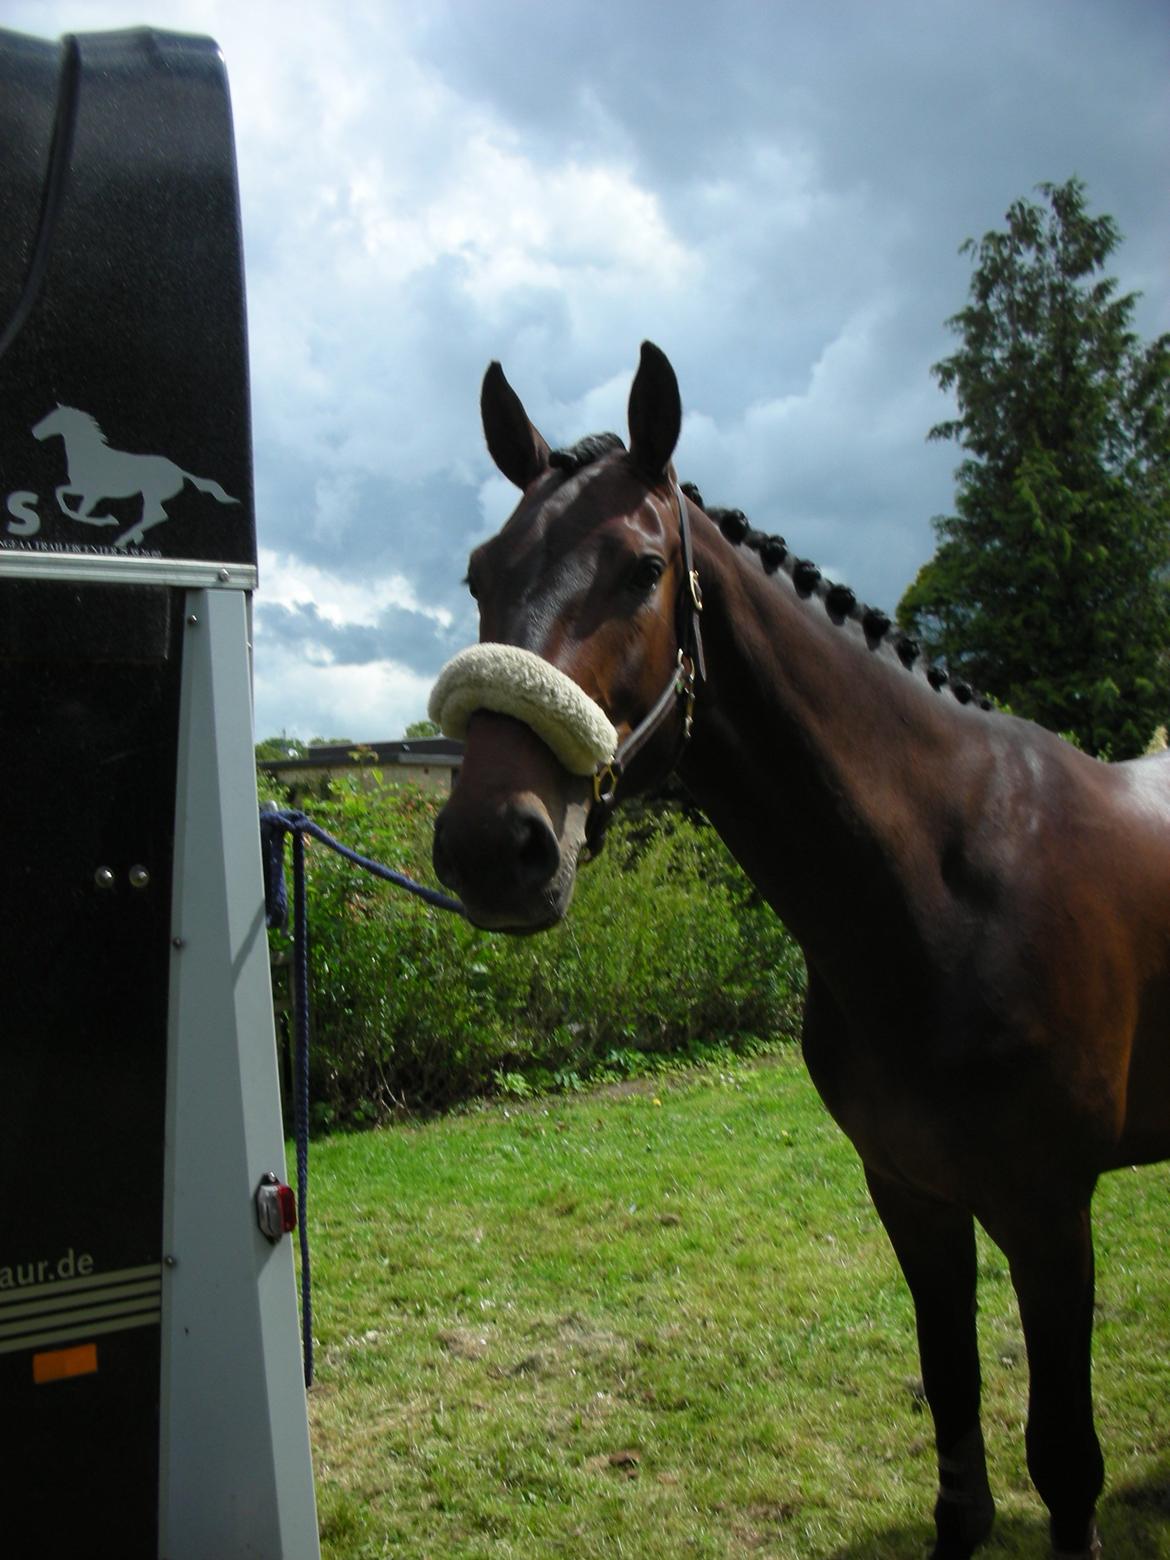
97 473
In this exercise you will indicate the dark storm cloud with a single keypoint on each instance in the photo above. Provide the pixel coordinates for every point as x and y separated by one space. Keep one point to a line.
775 194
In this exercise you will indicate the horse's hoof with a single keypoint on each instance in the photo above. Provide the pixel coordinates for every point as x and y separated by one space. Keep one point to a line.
956 1549
962 1525
1091 1551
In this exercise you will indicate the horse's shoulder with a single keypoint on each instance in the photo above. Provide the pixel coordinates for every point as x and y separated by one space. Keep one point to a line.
1142 788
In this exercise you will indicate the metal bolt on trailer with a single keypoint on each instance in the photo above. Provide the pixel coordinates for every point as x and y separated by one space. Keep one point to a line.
149 1352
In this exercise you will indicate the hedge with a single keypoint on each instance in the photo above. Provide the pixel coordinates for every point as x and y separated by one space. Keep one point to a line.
667 953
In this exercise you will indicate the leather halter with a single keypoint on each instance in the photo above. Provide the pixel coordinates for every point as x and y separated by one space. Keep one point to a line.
690 671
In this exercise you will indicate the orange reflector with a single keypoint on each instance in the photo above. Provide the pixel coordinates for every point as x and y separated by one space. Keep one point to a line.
63 1363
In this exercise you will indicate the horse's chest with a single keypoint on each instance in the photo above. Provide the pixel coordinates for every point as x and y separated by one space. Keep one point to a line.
893 1113
855 1094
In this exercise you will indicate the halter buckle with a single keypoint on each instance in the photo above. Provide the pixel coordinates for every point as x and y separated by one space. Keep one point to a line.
696 591
605 782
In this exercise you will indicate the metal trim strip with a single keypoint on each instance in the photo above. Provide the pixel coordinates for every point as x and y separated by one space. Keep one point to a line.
93 1330
106 568
115 1294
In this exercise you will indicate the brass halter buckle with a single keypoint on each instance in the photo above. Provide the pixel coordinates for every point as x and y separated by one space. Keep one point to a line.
605 782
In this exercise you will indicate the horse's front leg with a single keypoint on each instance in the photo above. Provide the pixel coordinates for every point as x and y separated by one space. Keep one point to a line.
1050 1251
935 1244
85 505
153 514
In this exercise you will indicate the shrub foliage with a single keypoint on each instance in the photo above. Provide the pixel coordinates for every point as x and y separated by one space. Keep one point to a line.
667 953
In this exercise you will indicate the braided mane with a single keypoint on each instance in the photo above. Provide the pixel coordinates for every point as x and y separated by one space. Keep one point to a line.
840 601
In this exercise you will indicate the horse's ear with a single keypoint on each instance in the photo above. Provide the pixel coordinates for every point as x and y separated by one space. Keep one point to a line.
515 446
655 412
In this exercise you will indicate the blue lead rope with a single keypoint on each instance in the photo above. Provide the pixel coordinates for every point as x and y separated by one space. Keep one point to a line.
274 825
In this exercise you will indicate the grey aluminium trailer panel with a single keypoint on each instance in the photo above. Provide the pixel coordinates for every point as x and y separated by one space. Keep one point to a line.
149 1351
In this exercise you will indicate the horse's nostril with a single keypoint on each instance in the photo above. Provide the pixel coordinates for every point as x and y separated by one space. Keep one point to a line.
509 851
536 852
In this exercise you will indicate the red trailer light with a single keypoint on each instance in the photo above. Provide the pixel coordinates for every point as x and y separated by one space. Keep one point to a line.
276 1207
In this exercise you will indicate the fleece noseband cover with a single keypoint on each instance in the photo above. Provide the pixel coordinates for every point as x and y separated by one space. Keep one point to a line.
518 683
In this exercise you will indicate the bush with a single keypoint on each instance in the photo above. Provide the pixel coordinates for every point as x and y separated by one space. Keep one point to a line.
666 953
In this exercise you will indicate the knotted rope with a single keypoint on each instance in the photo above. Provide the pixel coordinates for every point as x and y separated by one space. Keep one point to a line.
274 826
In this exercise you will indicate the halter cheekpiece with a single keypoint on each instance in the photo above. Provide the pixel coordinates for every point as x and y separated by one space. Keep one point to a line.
690 671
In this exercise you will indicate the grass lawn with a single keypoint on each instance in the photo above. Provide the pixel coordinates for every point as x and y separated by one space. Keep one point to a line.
664 1321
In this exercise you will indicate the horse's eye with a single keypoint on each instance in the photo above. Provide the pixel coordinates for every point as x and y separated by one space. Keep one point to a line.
645 574
470 583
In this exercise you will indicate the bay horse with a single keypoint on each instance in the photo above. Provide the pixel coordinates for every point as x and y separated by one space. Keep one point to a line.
983 909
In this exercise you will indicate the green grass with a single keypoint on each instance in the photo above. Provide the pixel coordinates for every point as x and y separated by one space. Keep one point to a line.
664 1321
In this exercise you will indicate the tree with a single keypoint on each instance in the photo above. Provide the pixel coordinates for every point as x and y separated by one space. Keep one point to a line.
270 750
422 728
1049 586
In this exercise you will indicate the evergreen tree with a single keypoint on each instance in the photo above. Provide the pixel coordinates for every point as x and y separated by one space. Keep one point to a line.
1049 587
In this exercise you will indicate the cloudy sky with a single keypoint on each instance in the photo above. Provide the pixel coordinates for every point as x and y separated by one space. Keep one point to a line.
774 191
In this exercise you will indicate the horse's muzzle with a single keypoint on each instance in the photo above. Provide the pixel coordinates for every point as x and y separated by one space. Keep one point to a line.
506 867
508 840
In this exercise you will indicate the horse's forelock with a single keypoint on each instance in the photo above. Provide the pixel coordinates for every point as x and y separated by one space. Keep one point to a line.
587 450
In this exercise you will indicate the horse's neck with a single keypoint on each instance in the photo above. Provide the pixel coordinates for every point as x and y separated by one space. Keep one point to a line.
827 767
82 439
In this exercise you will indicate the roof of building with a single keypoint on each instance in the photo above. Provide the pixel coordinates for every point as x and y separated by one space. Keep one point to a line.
441 751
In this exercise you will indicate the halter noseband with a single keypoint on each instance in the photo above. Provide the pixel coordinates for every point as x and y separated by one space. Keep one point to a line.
690 671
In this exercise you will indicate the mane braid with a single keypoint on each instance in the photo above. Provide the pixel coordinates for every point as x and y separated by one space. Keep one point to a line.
585 452
840 601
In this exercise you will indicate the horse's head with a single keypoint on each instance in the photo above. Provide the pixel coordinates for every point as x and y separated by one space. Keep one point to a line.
66 421
590 580
51 423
